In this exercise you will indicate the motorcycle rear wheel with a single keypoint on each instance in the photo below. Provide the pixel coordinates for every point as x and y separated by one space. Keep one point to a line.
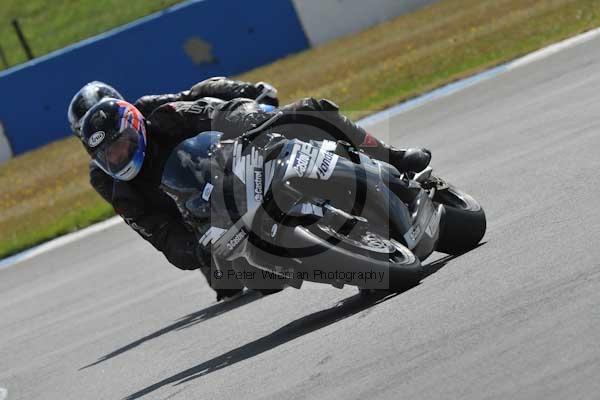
463 221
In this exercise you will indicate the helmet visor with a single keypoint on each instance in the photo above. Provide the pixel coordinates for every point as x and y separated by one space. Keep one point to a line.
115 156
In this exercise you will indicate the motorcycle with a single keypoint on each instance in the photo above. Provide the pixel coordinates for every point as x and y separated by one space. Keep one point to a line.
323 211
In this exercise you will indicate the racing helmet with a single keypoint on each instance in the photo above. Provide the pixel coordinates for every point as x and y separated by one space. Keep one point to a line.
88 96
114 134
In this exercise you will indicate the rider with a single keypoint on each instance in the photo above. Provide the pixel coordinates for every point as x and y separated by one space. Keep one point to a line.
165 231
133 149
218 87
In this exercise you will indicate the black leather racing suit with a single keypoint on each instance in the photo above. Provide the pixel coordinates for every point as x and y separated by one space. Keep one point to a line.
154 215
150 213
218 87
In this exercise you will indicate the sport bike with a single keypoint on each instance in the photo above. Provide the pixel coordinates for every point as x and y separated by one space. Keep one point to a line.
321 211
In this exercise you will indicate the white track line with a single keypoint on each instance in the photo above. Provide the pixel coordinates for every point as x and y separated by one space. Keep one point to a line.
3 394
463 84
59 242
443 91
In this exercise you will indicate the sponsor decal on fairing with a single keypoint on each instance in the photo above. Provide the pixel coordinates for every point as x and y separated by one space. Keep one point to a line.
301 163
237 239
212 235
258 184
412 235
208 188
434 223
324 166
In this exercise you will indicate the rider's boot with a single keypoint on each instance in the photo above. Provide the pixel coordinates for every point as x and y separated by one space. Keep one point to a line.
226 289
409 160
405 160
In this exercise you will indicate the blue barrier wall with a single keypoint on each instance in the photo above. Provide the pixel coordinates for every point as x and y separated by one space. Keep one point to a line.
162 53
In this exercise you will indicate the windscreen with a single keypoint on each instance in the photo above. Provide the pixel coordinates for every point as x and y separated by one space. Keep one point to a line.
187 175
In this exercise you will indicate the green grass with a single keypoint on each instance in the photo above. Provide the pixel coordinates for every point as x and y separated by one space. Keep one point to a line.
45 193
51 25
418 52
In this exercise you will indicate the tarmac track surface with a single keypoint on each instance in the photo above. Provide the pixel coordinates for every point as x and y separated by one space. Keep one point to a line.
519 317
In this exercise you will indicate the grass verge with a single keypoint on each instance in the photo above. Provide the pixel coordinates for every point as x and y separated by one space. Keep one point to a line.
51 25
45 193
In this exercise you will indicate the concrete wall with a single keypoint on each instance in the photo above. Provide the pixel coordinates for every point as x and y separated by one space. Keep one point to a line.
5 149
324 20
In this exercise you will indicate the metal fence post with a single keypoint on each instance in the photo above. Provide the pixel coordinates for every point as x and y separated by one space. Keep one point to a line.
22 39
3 57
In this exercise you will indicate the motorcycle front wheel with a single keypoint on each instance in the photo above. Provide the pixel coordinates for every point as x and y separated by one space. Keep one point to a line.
404 268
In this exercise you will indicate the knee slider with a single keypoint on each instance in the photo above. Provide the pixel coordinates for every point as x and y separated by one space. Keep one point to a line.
328 105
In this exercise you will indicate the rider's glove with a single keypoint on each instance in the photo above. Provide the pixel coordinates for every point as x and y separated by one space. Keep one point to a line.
268 94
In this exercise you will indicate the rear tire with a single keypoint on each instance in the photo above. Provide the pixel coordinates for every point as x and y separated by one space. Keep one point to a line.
463 222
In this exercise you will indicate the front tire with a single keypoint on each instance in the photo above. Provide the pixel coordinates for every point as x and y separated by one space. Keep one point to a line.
405 269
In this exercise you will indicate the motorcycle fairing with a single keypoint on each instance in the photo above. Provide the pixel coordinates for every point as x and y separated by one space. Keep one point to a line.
310 161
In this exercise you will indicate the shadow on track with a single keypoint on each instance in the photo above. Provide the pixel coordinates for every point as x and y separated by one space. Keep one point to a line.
220 308
433 267
182 323
303 326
